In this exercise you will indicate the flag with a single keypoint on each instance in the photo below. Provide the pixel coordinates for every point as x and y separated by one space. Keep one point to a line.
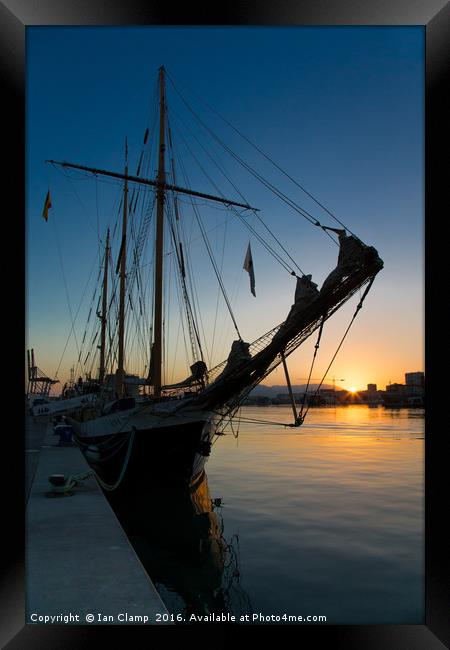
47 206
248 266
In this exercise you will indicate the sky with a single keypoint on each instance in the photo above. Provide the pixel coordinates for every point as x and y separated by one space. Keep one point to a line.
339 109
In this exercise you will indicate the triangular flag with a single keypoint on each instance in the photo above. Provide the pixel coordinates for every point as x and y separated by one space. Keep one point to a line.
248 266
47 206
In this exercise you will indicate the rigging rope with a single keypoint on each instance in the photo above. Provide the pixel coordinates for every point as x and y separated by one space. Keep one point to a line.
358 307
316 347
297 208
218 294
188 308
234 210
192 324
211 257
311 196
76 315
297 420
65 286
239 398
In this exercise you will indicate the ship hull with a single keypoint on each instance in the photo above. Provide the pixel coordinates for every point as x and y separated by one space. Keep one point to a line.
143 452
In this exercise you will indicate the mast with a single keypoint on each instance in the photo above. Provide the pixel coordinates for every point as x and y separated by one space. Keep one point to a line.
120 375
101 374
160 197
29 366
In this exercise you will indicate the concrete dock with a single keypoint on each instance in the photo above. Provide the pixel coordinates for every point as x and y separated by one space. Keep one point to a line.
81 569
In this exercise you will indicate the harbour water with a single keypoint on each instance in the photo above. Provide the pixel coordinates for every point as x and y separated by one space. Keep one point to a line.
322 520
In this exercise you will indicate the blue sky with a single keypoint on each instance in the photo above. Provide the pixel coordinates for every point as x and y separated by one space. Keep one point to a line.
340 109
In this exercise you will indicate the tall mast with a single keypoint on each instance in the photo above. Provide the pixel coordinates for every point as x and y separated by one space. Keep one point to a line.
101 374
160 196
120 376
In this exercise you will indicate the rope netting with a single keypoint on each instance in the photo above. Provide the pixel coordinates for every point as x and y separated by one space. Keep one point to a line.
267 351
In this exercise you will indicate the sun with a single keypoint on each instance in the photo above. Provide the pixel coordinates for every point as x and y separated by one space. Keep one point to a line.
352 389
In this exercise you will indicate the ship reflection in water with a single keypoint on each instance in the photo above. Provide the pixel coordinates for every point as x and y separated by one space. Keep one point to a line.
177 533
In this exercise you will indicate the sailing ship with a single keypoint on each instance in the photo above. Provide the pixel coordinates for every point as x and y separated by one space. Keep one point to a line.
141 428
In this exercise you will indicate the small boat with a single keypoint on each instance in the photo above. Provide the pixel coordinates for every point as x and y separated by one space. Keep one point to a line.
140 428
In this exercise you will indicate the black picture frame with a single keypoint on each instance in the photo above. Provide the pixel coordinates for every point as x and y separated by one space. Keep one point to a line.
434 16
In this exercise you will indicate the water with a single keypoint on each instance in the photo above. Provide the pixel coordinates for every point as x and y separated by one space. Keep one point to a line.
326 519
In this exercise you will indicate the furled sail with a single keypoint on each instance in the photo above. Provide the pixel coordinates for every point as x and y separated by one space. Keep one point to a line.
305 293
357 265
352 253
197 377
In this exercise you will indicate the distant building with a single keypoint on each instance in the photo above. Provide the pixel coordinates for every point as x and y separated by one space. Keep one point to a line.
395 395
372 395
396 389
415 387
415 382
415 379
